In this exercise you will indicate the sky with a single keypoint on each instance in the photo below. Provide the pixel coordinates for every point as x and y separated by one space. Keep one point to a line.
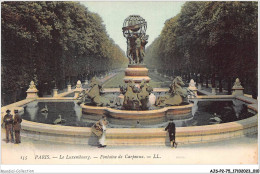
114 13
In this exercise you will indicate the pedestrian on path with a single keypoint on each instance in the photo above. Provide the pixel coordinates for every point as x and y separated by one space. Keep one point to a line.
8 122
172 130
17 126
99 129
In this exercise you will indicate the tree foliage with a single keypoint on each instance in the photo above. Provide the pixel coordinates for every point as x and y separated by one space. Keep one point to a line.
53 42
217 40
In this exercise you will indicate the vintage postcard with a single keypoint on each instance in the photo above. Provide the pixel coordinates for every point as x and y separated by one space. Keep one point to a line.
130 83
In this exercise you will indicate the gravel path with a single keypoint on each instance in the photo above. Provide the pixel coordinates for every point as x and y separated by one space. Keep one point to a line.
242 150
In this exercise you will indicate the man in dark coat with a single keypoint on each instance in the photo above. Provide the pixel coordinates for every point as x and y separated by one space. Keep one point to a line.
171 130
17 127
8 121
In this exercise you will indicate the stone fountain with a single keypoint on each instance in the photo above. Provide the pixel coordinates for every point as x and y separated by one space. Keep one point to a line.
137 100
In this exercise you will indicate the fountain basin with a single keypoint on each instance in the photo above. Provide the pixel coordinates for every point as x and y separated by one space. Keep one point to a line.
174 112
140 136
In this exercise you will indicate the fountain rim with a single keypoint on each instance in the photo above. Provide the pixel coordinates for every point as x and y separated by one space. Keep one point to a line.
180 112
138 111
133 136
119 136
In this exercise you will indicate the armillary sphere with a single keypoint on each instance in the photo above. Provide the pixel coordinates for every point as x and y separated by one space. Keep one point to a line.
134 24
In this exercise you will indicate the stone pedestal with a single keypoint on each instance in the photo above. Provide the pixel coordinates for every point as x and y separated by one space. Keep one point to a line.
136 73
237 89
192 87
32 92
213 91
69 88
76 93
55 92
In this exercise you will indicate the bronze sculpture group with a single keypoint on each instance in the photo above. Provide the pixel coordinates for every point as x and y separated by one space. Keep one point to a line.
134 31
136 48
136 98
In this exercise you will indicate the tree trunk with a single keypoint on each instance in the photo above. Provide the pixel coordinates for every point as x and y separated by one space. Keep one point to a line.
207 81
14 97
254 89
213 81
220 84
201 80
229 86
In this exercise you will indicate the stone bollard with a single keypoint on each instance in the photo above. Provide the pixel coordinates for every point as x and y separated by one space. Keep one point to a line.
192 87
78 89
32 92
69 87
213 91
237 89
55 92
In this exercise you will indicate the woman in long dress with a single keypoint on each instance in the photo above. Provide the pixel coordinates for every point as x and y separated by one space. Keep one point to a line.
99 129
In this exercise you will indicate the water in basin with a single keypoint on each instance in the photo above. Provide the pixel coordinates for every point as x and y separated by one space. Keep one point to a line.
202 111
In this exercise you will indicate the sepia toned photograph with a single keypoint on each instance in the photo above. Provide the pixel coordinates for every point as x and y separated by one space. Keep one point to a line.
129 83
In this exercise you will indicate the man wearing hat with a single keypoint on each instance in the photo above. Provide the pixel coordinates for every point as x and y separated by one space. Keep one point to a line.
171 130
8 121
17 126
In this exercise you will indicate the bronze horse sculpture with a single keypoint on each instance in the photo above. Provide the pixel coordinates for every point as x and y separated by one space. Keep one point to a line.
95 94
177 94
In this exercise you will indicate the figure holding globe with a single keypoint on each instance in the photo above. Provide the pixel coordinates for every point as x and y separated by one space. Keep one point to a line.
134 29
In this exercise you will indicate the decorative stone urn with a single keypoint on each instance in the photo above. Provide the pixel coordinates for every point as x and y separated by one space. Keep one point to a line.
192 87
237 89
32 92
78 89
